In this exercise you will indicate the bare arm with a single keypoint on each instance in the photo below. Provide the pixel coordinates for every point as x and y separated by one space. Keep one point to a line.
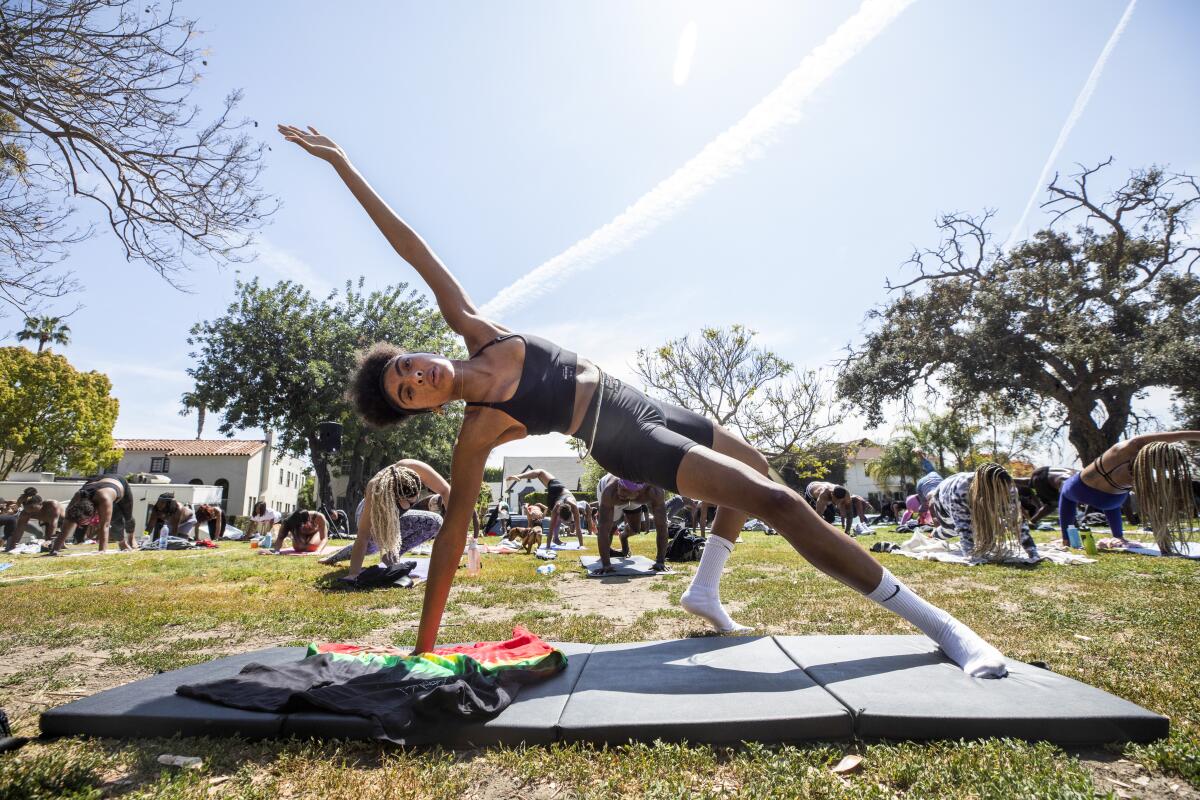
475 442
540 474
658 505
1168 436
428 475
604 527
460 313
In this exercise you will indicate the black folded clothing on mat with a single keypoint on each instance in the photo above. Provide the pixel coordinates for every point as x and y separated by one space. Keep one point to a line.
384 576
396 698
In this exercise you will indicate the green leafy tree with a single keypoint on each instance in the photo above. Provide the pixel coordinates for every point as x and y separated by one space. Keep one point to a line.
45 330
1071 326
95 103
53 417
721 374
279 359
896 461
307 496
493 474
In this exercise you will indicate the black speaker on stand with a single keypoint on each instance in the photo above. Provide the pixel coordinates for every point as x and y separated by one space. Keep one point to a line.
329 436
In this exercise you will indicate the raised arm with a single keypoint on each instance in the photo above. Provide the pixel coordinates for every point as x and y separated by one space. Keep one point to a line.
540 474
460 313
428 475
1168 436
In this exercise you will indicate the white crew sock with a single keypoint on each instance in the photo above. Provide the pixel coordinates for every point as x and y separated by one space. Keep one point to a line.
703 597
964 647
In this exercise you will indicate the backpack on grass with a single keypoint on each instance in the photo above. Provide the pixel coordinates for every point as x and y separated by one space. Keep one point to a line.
684 545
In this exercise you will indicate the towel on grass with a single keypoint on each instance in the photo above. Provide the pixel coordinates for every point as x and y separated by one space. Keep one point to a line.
405 696
925 548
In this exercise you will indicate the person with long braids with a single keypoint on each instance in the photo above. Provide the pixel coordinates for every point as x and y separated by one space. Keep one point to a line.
985 511
1156 468
388 520
519 385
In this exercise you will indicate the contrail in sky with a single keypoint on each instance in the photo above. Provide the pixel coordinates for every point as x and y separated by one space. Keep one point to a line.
720 158
1085 94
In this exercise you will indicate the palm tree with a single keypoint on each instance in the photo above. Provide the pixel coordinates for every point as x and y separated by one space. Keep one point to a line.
896 461
191 401
46 330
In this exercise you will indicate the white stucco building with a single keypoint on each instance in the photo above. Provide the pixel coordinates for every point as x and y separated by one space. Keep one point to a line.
246 470
858 482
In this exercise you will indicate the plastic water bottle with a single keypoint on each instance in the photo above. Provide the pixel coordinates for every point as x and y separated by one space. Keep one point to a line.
545 569
1089 543
473 562
1073 537
265 542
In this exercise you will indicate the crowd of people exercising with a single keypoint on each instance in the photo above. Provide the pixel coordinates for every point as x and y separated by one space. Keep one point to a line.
516 385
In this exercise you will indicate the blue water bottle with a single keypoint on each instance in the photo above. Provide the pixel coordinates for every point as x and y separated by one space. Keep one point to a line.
1073 537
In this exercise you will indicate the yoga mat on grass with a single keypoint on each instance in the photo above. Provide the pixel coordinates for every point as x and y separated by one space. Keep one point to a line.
903 687
719 690
632 567
1151 549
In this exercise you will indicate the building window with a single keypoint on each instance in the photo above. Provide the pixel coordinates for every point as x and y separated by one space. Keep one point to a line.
160 464
281 474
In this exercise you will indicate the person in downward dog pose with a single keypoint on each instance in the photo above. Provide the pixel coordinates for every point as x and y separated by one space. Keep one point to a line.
1046 484
985 511
309 531
519 385
103 502
34 508
558 500
1154 466
629 496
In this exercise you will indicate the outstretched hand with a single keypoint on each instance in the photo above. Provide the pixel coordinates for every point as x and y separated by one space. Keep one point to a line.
314 142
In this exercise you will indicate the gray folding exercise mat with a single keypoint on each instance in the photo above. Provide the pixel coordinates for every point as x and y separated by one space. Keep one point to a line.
151 708
716 689
631 567
902 687
720 690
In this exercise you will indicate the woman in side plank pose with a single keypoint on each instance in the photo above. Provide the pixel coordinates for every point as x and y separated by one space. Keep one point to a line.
1156 467
518 385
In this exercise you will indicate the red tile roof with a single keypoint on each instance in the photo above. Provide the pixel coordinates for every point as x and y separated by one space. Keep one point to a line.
194 447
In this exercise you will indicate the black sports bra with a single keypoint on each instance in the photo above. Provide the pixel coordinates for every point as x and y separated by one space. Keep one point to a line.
1099 465
545 398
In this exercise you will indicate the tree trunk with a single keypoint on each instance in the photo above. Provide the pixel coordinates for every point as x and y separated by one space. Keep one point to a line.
1089 439
200 412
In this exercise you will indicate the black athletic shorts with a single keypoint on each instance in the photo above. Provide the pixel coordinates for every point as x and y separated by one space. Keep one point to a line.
642 439
554 490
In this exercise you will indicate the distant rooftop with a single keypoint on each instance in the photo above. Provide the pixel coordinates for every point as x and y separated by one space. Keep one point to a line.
194 447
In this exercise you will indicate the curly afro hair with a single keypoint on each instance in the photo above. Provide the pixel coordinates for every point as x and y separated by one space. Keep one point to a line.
839 492
366 392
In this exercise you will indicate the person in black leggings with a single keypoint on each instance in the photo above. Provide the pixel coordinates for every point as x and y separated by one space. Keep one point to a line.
103 502
519 385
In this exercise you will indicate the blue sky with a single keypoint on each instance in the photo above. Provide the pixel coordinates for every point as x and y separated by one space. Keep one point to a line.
506 132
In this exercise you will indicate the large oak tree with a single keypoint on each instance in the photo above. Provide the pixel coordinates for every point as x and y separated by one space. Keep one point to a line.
1075 323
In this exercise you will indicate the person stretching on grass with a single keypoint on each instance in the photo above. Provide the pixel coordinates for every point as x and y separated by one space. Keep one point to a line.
629 496
387 518
102 502
519 385
48 513
309 531
1154 466
985 511
558 497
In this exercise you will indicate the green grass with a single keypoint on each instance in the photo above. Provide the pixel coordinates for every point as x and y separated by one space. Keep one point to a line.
1124 624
